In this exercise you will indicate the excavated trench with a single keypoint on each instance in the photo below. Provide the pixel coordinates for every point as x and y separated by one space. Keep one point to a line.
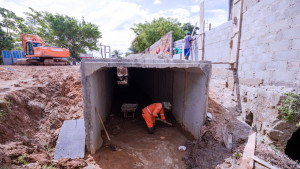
182 83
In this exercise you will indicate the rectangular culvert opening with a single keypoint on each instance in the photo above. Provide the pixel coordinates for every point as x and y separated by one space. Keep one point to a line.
108 86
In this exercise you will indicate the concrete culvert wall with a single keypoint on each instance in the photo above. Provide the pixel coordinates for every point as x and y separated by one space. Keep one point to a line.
183 83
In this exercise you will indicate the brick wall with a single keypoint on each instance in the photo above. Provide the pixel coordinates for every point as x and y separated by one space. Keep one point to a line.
269 64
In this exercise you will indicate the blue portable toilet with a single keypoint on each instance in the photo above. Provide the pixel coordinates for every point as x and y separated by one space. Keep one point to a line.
6 57
15 56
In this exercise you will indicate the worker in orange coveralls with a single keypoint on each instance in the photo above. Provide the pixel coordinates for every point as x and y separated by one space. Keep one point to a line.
151 112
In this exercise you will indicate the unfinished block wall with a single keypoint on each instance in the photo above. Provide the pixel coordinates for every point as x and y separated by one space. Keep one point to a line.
269 64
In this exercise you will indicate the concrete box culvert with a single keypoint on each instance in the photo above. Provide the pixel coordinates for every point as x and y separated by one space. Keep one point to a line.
183 83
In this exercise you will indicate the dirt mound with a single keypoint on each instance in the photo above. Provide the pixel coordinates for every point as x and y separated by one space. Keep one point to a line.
30 118
209 150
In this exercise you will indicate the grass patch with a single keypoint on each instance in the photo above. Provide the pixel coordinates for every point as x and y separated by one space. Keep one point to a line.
48 167
289 107
22 160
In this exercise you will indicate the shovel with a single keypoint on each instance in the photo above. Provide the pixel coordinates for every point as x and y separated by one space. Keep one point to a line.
113 147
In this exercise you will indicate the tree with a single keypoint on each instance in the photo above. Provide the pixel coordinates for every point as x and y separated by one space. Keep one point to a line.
189 27
148 33
117 53
64 31
10 28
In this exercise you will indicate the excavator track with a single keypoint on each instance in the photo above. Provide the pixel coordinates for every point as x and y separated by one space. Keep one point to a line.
45 62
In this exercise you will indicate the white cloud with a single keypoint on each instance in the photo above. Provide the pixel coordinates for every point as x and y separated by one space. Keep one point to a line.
195 8
219 16
156 2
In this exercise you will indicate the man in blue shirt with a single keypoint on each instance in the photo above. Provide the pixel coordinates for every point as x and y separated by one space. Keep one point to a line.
187 45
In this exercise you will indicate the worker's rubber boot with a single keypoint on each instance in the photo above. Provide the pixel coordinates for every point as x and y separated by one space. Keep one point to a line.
150 130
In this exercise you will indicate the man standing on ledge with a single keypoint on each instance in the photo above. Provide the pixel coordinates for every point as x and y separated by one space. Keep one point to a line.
187 45
150 114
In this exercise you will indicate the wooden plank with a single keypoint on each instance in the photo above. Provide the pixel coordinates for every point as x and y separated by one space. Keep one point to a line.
201 23
247 161
263 162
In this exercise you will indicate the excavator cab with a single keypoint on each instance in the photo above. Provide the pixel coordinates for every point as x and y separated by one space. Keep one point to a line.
29 48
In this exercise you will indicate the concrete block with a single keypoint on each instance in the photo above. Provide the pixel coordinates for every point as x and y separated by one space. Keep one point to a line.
279 5
285 55
296 20
269 19
281 75
267 38
249 73
296 44
292 10
280 25
259 66
292 33
264 57
265 75
293 66
278 65
71 140
279 45
298 77
260 49
251 82
253 42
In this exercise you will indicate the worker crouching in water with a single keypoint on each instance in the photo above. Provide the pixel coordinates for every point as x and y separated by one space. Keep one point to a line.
151 112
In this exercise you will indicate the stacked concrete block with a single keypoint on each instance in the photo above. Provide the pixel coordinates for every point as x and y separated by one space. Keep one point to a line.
269 62
270 47
217 43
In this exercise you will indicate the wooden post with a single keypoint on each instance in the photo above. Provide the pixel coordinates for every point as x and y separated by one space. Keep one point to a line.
237 14
201 29
171 44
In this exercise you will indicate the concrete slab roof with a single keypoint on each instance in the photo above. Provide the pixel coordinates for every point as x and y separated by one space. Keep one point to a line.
91 65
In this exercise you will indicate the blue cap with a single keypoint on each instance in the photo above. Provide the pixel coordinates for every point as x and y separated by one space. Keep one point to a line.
188 32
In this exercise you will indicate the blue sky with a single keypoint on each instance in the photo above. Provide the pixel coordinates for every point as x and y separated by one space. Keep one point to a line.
116 17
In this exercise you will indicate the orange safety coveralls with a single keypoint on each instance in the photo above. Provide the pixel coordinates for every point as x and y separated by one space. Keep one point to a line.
151 112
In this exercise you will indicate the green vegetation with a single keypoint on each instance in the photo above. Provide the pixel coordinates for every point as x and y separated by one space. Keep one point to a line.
2 113
149 32
48 167
237 155
22 160
289 107
64 31
10 28
117 53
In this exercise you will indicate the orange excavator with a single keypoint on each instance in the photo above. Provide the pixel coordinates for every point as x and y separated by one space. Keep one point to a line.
36 53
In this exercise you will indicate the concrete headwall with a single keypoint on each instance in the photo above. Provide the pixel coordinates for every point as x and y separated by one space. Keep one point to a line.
269 64
97 91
